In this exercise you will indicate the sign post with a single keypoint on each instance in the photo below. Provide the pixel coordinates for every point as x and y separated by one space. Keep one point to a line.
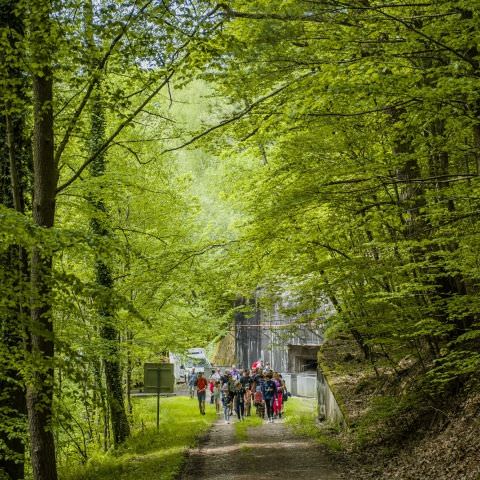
158 399
158 378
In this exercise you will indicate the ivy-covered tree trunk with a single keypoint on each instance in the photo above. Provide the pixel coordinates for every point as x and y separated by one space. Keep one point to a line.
108 330
111 361
12 341
45 175
14 262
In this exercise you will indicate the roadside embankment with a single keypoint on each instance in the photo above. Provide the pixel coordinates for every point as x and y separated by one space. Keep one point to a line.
395 427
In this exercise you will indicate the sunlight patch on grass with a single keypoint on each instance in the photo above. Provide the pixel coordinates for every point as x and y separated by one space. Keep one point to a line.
301 417
241 427
149 454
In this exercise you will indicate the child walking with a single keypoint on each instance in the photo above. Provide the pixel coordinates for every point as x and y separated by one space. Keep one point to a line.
226 402
248 402
259 402
239 400
217 394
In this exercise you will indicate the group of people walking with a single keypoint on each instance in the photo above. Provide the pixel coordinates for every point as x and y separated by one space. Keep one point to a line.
237 391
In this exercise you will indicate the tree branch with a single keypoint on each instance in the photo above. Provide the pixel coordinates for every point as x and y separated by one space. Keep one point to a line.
235 117
118 130
78 112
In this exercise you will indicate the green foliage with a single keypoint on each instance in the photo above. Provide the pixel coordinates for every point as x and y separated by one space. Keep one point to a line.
149 453
357 170
374 423
325 152
453 367
300 415
126 59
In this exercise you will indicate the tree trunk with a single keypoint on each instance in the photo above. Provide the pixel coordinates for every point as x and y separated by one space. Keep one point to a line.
14 260
108 329
129 372
12 341
40 382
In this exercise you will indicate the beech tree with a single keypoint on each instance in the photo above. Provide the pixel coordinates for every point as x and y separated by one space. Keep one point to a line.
14 178
359 118
156 45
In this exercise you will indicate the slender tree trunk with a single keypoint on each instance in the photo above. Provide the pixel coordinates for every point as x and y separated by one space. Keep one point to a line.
108 330
40 383
12 341
103 417
12 323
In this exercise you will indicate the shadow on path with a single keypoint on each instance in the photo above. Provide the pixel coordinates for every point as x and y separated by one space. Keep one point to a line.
270 451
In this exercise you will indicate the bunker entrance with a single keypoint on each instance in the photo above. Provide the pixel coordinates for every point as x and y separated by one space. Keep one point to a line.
302 358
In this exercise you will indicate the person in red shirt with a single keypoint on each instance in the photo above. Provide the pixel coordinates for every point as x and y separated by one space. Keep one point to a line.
211 387
201 385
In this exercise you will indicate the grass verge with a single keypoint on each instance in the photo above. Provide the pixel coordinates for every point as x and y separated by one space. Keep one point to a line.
301 417
149 454
241 427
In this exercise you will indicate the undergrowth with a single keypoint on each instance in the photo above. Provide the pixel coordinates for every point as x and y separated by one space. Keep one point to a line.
149 453
301 416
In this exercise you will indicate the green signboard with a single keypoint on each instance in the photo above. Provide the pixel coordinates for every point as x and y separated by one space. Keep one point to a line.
158 378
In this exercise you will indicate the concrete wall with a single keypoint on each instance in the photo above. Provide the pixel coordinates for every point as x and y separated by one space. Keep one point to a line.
269 335
328 408
248 338
302 385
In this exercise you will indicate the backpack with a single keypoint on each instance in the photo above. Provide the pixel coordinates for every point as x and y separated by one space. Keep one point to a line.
269 388
258 397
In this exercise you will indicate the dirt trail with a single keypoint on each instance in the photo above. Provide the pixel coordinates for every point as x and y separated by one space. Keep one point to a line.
270 451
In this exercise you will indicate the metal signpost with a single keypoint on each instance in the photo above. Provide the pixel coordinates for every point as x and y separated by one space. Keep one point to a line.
158 378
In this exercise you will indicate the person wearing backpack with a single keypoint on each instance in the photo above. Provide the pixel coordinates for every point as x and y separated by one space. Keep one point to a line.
259 402
224 377
277 403
226 402
231 391
269 394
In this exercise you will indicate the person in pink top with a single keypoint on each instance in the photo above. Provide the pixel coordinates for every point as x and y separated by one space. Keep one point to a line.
277 403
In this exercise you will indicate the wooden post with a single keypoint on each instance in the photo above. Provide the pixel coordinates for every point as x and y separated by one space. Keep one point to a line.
158 399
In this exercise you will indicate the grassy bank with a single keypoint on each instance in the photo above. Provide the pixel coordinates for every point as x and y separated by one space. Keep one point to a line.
301 416
149 454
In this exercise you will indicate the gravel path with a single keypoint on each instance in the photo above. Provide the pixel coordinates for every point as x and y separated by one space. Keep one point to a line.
270 451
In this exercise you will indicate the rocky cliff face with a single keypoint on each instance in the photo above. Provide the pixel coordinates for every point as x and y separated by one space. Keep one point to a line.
224 351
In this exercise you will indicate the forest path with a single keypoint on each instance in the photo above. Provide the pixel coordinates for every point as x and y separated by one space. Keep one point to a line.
269 451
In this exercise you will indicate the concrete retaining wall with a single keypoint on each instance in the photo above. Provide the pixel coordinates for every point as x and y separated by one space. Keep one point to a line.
301 384
328 408
315 385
